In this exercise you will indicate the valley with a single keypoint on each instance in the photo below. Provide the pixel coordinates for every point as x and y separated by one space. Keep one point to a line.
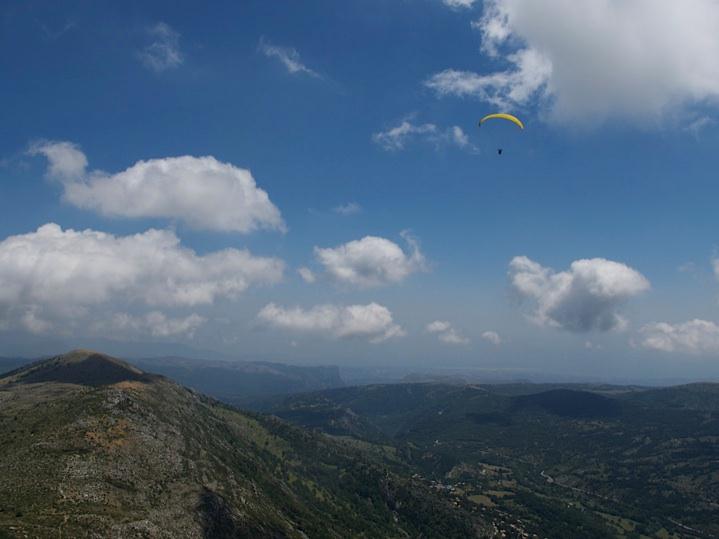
93 446
561 459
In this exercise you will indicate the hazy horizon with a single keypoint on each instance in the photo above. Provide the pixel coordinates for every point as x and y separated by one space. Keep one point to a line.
370 372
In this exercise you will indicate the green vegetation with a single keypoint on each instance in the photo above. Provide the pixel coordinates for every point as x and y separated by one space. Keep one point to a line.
92 447
575 461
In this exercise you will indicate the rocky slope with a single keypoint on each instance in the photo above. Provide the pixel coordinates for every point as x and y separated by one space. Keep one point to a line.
93 447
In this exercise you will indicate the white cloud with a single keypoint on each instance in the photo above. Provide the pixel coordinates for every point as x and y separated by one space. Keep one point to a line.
438 326
351 208
371 261
164 52
395 138
307 274
398 137
201 191
66 162
636 60
505 89
459 4
492 337
372 321
288 56
458 136
694 337
446 333
29 321
154 323
586 297
55 278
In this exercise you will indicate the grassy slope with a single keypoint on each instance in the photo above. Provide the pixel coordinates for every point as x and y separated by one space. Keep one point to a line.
648 455
145 457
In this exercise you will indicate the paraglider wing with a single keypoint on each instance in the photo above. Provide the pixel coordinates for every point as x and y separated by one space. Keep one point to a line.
503 116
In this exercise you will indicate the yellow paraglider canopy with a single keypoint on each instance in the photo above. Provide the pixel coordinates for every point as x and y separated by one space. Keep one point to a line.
503 116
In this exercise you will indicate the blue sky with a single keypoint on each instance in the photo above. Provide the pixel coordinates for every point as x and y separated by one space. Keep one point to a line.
374 104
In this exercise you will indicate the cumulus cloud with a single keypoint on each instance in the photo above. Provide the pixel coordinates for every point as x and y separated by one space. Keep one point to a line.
66 161
446 333
492 337
164 51
351 208
371 261
586 297
372 321
201 191
288 57
693 337
637 60
307 274
438 326
398 137
54 277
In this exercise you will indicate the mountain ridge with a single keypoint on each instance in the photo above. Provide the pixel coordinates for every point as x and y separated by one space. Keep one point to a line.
80 366
137 455
235 382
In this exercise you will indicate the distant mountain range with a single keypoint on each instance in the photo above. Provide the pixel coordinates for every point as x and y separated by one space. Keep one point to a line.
234 382
10 363
237 382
